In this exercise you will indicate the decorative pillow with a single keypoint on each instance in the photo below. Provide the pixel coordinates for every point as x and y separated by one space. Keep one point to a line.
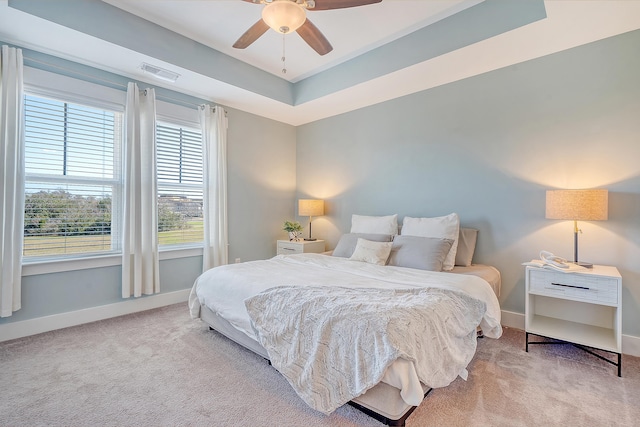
466 246
447 227
371 252
424 253
347 243
375 224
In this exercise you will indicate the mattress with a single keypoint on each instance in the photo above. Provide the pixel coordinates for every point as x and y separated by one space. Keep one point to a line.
486 272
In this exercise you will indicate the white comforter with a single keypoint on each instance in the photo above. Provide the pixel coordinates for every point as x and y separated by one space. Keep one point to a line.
224 290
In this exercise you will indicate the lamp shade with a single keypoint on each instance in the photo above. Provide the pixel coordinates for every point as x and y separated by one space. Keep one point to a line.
577 205
284 16
310 207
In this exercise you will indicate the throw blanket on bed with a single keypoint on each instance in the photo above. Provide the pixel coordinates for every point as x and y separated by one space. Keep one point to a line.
333 344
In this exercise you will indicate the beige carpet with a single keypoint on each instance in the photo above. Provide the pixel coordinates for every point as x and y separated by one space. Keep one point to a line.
160 368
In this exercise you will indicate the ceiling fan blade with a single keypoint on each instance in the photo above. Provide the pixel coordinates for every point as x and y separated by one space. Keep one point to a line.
251 35
314 38
341 4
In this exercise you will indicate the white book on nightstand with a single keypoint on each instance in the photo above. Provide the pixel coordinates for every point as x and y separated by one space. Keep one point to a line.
566 268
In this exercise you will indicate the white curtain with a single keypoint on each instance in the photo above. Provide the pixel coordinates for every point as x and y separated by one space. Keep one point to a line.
140 270
213 122
11 179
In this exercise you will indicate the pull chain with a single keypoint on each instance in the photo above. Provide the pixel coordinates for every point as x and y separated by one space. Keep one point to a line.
284 65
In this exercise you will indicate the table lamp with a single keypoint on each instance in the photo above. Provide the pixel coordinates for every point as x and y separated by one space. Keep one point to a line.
577 205
310 208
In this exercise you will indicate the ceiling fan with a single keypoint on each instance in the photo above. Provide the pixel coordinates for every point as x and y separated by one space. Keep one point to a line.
285 16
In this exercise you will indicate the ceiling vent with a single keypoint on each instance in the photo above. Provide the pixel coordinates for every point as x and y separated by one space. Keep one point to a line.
160 73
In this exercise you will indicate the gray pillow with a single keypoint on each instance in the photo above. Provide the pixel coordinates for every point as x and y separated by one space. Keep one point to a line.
466 246
423 253
347 243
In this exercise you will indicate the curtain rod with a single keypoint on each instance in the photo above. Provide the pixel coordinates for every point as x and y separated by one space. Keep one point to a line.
121 86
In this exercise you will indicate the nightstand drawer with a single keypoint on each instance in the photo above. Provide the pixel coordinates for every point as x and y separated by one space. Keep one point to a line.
290 248
286 247
596 289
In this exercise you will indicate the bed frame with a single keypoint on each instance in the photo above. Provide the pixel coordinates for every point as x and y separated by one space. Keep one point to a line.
400 422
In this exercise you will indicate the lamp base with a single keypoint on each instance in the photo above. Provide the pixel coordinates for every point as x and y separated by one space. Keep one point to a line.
583 264
310 240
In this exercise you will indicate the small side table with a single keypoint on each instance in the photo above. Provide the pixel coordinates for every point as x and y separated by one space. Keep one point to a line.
303 246
581 308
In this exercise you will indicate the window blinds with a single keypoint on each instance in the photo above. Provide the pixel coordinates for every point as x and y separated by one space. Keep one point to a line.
179 163
72 165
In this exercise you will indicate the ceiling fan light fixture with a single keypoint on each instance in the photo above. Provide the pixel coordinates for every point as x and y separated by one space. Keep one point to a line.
284 16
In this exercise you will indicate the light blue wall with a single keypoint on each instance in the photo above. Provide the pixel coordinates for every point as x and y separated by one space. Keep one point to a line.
55 293
488 147
262 184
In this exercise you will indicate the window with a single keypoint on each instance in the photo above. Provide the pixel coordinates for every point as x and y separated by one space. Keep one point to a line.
180 185
72 178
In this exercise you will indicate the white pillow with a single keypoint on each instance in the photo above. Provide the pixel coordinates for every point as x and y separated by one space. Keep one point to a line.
375 224
371 252
446 227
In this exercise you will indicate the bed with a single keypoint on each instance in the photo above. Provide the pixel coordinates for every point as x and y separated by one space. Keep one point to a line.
244 301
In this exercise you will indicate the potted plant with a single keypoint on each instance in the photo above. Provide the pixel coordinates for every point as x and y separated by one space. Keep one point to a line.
293 228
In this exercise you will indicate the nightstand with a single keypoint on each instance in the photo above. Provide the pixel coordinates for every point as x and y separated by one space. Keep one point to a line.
581 308
304 246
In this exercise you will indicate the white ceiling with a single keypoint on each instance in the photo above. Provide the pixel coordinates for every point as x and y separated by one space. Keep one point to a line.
352 32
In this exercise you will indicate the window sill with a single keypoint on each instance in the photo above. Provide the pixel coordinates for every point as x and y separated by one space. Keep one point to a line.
32 268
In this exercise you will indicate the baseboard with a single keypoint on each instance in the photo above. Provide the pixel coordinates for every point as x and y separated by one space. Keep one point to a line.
512 319
25 328
630 343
